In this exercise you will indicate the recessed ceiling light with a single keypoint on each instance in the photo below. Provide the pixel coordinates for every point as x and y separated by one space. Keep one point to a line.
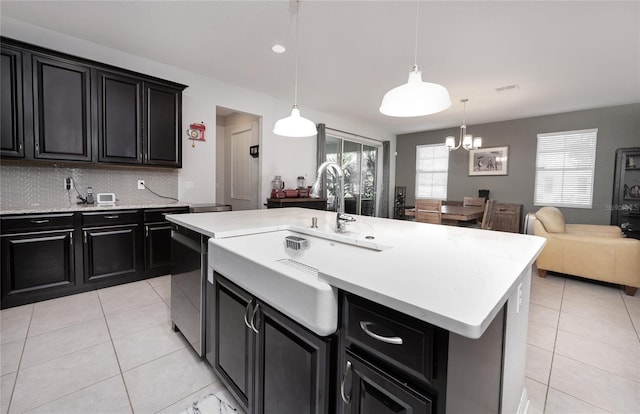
278 49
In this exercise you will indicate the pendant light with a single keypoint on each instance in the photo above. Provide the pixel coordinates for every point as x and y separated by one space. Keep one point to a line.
295 125
415 98
467 141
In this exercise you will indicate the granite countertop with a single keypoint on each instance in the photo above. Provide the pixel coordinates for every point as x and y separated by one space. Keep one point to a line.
43 209
452 277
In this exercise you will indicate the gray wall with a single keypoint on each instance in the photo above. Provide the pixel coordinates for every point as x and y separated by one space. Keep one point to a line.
618 127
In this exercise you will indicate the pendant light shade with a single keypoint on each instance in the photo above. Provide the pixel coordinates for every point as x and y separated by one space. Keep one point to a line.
295 126
415 98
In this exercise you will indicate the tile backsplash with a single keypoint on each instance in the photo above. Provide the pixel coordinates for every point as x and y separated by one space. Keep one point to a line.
43 185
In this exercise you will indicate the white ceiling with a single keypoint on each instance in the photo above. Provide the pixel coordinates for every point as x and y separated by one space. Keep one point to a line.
564 56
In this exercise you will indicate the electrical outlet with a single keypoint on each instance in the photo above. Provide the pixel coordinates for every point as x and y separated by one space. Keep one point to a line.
141 185
68 183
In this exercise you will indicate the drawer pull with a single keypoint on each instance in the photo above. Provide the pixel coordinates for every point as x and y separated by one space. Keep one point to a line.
253 317
246 314
347 370
394 340
40 221
114 216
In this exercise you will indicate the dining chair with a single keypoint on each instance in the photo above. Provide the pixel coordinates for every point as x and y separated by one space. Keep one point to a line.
473 202
429 211
489 214
487 217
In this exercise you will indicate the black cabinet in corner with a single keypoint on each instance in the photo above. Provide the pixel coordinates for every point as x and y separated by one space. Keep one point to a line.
625 206
11 95
61 109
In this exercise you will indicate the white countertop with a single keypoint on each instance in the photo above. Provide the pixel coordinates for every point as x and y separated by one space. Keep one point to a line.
455 278
87 207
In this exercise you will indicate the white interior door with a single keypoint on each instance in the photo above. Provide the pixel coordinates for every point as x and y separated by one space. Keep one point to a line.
243 177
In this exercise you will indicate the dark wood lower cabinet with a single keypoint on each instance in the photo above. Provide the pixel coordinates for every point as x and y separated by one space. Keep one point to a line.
271 364
49 255
36 264
292 368
157 248
110 252
365 389
233 346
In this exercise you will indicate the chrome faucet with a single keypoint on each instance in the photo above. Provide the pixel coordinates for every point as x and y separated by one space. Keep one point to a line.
341 218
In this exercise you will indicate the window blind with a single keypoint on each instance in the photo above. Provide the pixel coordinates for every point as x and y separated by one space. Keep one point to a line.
432 171
565 164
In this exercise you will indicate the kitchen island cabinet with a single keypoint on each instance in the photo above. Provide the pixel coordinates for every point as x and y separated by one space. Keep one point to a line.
413 275
270 363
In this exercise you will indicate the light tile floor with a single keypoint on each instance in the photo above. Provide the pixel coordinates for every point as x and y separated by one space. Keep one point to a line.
113 351
106 351
583 352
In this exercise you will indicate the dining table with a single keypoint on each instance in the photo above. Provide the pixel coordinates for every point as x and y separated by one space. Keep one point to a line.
455 213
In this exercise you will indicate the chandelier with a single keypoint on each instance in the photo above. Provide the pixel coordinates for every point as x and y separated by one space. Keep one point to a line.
467 141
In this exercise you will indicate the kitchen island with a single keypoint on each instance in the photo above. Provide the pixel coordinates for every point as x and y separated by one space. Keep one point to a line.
471 284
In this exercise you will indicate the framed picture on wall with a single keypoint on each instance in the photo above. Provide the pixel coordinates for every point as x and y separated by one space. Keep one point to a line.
489 161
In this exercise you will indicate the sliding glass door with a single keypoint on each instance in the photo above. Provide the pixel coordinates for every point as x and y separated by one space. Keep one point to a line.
359 162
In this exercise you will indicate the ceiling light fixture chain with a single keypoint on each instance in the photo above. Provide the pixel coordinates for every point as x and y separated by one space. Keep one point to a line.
415 47
467 141
295 79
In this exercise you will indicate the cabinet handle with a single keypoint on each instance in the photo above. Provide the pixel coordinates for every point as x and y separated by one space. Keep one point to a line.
394 340
85 237
40 221
71 239
113 216
253 317
146 231
20 147
347 370
246 314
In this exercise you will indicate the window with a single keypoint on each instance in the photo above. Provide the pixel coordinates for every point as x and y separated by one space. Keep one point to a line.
565 162
432 170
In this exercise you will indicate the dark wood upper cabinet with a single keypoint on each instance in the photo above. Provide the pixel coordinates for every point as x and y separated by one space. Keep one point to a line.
61 109
11 128
162 132
58 107
119 118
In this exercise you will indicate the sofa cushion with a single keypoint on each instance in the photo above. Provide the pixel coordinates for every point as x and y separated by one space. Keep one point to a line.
552 219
